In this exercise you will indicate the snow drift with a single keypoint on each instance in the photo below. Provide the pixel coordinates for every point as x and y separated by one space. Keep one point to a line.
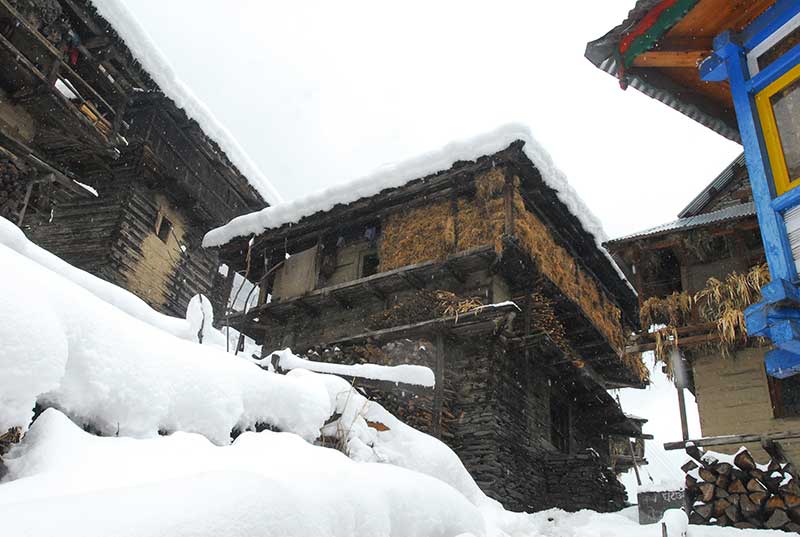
97 356
263 484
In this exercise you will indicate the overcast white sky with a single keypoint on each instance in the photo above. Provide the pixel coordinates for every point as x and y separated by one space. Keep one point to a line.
322 92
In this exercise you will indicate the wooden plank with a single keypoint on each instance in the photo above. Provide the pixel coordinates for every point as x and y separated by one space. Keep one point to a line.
732 439
377 278
671 58
432 325
682 342
711 17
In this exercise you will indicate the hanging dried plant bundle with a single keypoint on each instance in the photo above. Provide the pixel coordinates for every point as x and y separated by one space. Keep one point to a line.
721 302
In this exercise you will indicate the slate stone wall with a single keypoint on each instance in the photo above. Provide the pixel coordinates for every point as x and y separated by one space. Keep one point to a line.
496 417
582 481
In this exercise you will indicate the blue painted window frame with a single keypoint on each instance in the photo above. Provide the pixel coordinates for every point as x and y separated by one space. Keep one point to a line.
778 315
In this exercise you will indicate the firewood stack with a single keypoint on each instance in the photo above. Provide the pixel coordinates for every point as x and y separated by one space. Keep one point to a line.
743 494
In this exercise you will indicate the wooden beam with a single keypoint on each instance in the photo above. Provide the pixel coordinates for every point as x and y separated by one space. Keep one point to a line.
682 342
375 291
454 272
412 279
341 302
671 58
732 439
305 307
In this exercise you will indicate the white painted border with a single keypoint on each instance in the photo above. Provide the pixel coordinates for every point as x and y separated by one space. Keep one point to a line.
765 45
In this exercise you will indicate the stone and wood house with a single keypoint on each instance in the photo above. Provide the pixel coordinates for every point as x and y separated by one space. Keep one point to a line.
99 166
481 273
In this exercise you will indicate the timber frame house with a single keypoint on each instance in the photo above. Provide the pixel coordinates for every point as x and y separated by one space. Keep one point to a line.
98 166
715 236
482 274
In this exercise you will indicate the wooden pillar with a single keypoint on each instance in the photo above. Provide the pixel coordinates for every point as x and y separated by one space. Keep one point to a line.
438 389
682 409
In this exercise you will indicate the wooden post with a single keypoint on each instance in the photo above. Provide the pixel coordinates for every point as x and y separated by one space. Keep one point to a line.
635 465
25 204
682 409
438 389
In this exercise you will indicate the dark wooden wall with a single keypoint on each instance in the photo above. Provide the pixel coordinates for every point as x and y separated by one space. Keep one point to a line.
114 237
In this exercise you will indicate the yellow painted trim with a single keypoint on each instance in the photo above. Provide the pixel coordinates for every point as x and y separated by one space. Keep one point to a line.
769 128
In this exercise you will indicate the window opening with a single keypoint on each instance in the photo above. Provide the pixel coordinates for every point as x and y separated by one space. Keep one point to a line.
164 229
785 395
369 264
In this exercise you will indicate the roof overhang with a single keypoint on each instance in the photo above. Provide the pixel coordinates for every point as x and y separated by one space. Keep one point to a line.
658 48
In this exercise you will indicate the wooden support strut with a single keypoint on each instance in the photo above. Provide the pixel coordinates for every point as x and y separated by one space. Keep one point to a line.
671 58
732 439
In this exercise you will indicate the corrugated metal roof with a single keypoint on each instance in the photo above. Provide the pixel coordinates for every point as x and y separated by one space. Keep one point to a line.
734 212
718 184
603 54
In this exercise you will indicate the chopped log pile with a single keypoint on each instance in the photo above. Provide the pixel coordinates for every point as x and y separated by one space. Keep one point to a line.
743 494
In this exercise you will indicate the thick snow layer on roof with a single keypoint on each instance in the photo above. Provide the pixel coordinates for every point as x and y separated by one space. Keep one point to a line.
155 63
416 375
399 174
396 175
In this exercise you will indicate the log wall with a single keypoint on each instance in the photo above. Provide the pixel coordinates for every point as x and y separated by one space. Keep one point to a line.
733 398
114 237
81 231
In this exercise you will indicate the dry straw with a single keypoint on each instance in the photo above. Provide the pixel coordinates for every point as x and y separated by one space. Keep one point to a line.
437 230
721 302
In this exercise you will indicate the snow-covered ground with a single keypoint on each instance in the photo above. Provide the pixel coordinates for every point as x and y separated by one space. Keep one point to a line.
659 404
166 405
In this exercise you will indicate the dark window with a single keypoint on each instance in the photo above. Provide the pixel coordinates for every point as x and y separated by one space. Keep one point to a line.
369 265
785 395
559 424
779 49
164 229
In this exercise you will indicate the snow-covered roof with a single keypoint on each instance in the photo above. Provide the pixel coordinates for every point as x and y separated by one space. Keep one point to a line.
734 212
396 175
155 63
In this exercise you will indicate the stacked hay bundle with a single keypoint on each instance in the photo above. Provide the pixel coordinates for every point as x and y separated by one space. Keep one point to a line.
742 493
442 228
